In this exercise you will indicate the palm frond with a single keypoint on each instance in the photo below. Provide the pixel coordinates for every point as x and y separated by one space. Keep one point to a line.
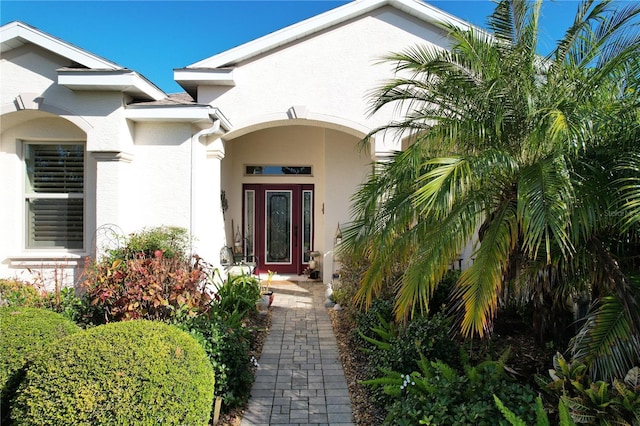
431 257
544 202
606 341
629 203
478 287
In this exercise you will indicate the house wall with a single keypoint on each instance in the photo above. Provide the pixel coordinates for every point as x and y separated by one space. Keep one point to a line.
304 103
30 71
34 107
161 182
331 73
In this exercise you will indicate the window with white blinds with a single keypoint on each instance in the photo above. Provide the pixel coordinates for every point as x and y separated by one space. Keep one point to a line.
55 195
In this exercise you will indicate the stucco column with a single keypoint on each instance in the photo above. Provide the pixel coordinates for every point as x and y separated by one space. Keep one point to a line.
112 170
207 218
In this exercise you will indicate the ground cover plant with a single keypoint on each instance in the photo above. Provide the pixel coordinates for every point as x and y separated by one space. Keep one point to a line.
439 394
134 372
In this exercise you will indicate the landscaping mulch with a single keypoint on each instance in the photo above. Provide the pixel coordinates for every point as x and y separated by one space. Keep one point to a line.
354 363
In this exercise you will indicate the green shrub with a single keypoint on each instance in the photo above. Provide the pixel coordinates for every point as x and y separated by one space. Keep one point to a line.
25 333
440 296
380 309
171 241
227 343
399 347
222 333
14 292
135 372
70 306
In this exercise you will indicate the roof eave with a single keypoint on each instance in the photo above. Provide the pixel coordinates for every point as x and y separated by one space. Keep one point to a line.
417 8
122 80
190 79
16 34
194 114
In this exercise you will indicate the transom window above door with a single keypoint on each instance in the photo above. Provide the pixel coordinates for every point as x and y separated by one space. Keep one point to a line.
277 170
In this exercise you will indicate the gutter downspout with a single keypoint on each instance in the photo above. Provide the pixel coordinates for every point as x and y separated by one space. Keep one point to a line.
215 128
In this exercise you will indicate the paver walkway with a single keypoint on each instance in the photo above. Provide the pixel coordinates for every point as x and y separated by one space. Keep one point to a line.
300 380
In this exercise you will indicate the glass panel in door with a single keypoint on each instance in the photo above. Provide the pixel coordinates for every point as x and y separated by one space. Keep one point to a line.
307 224
250 225
278 217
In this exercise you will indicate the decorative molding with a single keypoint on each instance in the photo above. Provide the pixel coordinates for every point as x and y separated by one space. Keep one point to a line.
215 149
331 18
40 259
28 101
115 156
298 111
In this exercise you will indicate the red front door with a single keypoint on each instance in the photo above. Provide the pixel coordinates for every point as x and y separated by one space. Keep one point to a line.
278 226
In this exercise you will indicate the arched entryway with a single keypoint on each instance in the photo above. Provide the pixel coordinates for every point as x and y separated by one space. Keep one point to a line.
288 186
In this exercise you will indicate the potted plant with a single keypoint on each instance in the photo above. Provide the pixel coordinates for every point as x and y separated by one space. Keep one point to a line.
267 295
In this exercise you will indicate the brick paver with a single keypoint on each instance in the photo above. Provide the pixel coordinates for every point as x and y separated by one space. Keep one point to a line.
300 380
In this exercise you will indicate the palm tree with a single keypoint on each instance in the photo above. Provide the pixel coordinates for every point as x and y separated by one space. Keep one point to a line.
535 156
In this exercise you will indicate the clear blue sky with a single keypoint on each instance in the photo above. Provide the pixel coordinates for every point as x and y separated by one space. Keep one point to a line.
154 37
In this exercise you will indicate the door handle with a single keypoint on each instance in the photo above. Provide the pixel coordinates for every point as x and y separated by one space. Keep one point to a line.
295 235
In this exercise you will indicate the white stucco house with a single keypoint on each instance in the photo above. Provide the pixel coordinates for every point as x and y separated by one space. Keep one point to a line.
264 141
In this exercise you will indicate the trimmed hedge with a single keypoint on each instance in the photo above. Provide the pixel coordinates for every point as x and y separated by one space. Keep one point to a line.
25 333
136 372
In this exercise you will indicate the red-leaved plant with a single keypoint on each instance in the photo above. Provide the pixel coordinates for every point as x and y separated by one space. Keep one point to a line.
146 287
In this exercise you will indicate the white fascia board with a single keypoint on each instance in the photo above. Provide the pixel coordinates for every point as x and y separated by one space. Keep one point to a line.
215 113
426 12
170 113
217 77
15 34
123 80
417 8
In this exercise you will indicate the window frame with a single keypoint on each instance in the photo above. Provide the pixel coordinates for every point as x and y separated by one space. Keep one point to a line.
267 173
28 195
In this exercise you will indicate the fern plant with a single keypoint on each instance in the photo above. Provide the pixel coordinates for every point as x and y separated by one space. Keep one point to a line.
385 331
439 394
542 419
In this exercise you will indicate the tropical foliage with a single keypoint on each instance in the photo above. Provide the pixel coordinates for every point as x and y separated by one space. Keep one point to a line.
593 402
534 159
437 394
